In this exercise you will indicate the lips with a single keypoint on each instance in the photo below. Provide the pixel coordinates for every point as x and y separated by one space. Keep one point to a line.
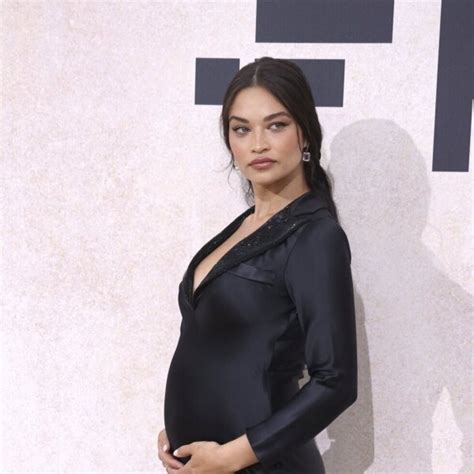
261 160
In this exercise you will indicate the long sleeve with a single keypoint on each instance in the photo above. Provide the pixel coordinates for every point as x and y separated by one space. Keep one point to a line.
319 281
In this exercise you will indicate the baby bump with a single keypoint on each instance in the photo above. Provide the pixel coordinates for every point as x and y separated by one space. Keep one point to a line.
206 400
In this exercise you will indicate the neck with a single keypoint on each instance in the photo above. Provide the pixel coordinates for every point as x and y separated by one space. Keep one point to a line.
267 203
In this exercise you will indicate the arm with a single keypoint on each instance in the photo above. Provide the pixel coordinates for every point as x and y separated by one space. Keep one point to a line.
319 281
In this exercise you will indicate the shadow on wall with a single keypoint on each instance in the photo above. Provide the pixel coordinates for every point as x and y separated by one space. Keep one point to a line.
413 412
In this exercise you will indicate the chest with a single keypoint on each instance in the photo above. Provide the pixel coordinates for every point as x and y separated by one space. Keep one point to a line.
205 265
240 250
244 296
243 289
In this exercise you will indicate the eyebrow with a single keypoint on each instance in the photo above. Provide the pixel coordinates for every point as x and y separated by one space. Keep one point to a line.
265 119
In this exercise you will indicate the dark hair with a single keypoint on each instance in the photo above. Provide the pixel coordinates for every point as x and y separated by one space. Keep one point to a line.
287 82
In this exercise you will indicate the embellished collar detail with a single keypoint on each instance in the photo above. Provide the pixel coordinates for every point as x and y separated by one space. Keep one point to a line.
274 231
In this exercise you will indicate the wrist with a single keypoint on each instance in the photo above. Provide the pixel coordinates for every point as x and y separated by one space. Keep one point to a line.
238 454
229 459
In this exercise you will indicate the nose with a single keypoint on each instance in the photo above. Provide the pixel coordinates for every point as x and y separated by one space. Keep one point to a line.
259 144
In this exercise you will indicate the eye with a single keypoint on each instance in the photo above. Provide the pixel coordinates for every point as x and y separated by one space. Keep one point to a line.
283 124
280 126
235 129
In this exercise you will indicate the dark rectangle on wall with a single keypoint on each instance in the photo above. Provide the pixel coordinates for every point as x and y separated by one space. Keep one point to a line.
453 116
323 21
213 76
326 79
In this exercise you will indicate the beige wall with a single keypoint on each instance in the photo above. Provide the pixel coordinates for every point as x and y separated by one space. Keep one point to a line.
111 180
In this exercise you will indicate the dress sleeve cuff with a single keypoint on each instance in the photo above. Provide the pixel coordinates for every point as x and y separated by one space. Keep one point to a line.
262 447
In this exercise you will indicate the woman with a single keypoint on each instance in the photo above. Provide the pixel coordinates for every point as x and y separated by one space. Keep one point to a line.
271 291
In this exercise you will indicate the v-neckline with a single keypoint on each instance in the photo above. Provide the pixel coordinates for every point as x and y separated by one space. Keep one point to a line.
240 222
224 235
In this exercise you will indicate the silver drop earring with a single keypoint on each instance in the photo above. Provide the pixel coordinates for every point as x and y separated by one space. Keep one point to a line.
306 155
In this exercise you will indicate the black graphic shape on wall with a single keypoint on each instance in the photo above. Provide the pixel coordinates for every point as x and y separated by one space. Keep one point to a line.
326 78
363 21
305 21
317 21
212 78
455 84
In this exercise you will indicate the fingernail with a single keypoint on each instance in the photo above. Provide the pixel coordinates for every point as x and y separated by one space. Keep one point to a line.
165 447
176 452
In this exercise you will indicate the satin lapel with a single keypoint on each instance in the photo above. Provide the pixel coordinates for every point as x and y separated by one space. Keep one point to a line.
274 231
208 248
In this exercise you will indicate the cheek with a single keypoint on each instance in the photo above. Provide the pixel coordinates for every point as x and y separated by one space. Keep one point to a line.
236 146
287 146
292 156
233 144
287 141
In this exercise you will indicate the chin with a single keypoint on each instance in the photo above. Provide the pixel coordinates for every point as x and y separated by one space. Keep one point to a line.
267 180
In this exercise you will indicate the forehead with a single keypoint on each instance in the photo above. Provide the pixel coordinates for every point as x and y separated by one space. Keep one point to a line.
255 103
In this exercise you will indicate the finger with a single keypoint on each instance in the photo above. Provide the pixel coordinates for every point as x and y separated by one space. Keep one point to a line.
170 470
163 444
163 452
168 459
177 471
159 443
183 450
172 462
162 436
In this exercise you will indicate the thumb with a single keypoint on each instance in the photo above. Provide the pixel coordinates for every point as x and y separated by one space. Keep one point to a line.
184 450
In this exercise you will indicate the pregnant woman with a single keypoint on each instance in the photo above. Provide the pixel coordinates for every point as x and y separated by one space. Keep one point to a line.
270 293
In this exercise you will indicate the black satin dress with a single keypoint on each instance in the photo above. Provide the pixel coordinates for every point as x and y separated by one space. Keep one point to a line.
280 298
